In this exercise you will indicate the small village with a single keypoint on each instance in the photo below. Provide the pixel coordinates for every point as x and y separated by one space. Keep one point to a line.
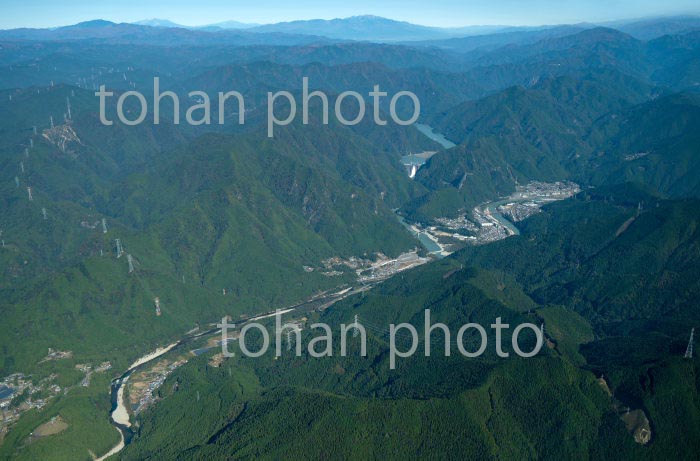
143 385
493 221
19 393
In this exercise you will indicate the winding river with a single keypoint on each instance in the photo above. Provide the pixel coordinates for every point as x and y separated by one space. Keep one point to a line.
493 210
119 415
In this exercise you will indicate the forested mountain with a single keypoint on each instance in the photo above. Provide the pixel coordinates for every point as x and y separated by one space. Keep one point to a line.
604 128
240 213
551 274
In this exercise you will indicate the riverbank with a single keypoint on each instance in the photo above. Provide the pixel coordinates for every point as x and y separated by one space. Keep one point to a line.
120 415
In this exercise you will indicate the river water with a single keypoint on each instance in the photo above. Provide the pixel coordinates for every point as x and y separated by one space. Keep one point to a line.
493 209
120 416
428 243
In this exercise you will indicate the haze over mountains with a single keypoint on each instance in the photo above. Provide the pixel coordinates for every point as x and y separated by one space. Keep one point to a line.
374 28
378 29
367 27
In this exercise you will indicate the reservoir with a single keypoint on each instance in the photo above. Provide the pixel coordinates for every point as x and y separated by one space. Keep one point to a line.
413 162
437 137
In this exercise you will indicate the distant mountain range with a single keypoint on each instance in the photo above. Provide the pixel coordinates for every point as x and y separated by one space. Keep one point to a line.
650 28
357 28
372 28
376 28
217 26
366 27
125 33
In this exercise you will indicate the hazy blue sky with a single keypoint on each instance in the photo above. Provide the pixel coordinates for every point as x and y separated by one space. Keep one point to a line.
44 13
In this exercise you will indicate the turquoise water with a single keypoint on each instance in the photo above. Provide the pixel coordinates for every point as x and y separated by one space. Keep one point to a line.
6 392
437 137
493 209
412 159
428 244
